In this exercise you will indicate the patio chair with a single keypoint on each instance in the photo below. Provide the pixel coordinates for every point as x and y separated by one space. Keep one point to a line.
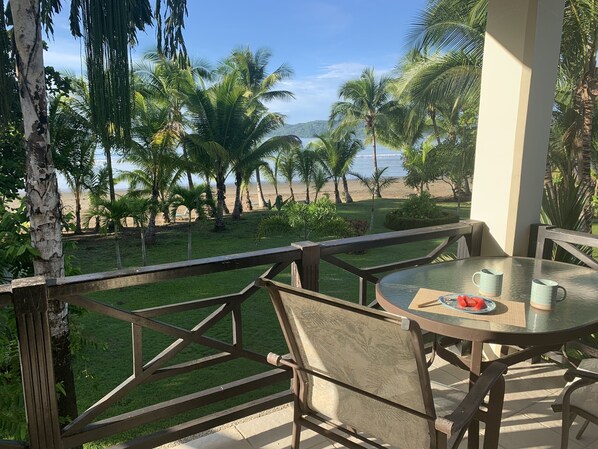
580 395
360 375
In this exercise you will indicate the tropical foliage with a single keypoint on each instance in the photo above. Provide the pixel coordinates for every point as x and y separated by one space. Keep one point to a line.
198 199
306 220
336 152
365 100
375 184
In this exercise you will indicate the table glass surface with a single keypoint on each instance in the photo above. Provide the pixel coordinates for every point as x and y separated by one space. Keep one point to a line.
578 310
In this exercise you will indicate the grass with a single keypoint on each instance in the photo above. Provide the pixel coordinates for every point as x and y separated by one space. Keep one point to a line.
105 357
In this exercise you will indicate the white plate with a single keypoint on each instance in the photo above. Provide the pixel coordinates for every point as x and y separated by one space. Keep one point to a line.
451 302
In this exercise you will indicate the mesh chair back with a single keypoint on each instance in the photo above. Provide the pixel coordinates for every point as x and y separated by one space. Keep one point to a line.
372 351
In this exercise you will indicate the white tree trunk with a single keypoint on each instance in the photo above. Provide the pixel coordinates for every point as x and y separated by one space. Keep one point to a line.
43 200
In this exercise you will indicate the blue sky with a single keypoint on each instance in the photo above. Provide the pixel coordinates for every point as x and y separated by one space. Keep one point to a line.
325 42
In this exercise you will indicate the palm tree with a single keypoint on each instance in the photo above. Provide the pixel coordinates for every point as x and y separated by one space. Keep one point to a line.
421 169
307 162
195 199
165 82
578 79
234 139
73 147
319 178
337 155
153 151
253 146
271 171
251 71
139 210
456 28
374 183
288 167
364 100
97 186
217 118
112 214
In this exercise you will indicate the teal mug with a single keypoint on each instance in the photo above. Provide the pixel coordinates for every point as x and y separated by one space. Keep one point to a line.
544 294
490 282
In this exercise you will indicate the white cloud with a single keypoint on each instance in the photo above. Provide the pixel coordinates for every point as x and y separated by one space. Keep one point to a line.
315 93
343 70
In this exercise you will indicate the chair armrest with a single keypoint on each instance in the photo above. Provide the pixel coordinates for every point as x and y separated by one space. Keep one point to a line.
573 373
470 405
281 360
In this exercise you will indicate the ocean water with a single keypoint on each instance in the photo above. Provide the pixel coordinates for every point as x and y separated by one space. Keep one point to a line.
363 165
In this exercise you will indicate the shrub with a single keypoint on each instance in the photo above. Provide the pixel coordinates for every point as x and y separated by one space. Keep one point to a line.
273 225
402 223
359 227
418 212
303 220
422 206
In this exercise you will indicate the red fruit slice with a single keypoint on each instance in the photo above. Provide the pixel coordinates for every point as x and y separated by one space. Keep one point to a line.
461 300
480 305
471 301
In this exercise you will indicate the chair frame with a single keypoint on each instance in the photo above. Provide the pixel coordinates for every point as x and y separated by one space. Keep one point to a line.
445 432
579 378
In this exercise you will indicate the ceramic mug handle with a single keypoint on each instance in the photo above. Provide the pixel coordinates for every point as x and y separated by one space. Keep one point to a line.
564 293
473 278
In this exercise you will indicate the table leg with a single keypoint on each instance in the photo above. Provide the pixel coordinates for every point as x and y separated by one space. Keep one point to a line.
475 369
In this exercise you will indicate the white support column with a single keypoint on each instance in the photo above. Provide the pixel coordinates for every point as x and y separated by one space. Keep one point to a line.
518 83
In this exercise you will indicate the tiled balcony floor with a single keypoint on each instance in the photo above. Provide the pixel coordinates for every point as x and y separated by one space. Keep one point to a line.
528 421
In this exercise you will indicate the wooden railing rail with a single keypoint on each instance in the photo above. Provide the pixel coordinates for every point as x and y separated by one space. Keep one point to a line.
87 283
30 297
547 238
467 234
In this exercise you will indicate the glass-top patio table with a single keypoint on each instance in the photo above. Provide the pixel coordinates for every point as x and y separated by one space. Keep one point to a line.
572 318
544 330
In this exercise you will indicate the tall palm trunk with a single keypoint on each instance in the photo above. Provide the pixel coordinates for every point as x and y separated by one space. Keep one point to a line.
377 191
261 201
248 204
432 114
307 200
237 207
348 197
186 159
291 189
337 194
143 248
150 232
220 202
224 205
372 212
119 262
43 200
78 208
189 239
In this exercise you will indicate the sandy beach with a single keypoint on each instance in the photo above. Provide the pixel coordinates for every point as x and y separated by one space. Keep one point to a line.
397 190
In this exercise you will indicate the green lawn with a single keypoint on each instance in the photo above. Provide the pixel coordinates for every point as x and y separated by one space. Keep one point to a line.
105 359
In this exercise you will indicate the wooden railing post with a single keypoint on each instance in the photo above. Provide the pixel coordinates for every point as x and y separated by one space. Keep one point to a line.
305 273
471 245
539 246
30 299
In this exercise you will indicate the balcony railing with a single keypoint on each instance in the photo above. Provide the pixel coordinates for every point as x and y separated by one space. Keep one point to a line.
30 297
